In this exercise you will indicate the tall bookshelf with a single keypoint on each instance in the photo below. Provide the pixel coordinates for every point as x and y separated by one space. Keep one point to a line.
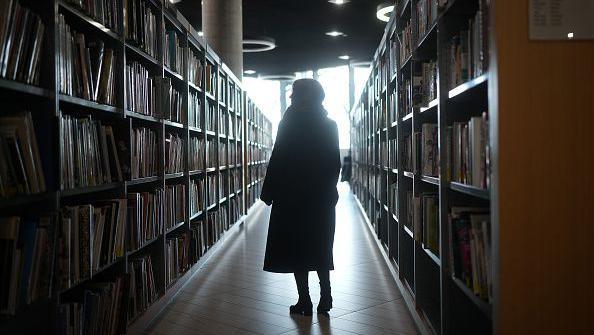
199 120
403 163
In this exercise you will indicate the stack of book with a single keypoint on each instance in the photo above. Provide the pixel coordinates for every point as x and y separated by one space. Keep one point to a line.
141 28
470 252
210 79
211 181
173 52
223 122
144 153
141 90
196 196
197 240
194 110
429 150
22 35
426 12
26 248
211 118
89 153
211 153
222 88
468 152
176 255
196 154
100 312
85 66
175 205
174 154
90 238
145 217
406 43
142 291
21 171
196 69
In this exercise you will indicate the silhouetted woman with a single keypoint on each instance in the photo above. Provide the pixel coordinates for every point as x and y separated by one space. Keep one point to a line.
301 186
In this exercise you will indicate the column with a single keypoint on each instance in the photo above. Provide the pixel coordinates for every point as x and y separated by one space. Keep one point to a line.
222 26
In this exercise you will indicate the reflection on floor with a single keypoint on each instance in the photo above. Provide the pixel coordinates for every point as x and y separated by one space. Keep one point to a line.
233 295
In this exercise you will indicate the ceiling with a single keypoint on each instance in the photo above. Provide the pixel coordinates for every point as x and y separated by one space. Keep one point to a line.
299 28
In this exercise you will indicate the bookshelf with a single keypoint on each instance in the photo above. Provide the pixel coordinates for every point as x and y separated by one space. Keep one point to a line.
144 165
420 142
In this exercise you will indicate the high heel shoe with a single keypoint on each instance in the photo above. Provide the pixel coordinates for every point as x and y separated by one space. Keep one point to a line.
302 307
325 304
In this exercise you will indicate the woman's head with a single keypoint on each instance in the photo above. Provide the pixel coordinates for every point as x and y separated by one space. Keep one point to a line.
307 91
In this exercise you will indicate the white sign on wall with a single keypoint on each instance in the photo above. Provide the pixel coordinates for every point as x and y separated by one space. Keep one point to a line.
561 19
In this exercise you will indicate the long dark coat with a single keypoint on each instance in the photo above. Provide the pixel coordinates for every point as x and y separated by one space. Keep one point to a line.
301 184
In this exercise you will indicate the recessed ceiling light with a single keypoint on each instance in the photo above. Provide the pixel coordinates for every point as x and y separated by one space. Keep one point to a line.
570 35
200 33
249 72
338 2
335 33
259 44
344 57
384 11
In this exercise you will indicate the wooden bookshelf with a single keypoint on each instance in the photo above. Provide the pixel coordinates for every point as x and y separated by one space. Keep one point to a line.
237 144
413 95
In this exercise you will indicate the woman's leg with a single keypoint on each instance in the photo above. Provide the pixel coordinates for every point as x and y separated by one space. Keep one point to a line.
325 292
304 305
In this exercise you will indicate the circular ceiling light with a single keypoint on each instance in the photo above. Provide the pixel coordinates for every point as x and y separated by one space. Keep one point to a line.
249 72
344 57
200 33
338 2
279 77
259 44
384 11
335 33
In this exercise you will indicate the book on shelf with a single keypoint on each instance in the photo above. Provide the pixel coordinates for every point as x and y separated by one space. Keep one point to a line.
405 93
197 240
223 183
406 43
235 209
170 101
210 80
141 28
141 90
195 69
393 197
196 196
91 236
467 152
176 256
211 181
222 153
26 247
467 53
195 110
197 151
173 52
211 117
21 171
429 150
89 153
105 12
222 88
232 154
85 65
212 231
470 251
174 157
223 122
145 217
211 153
393 147
142 287
223 218
144 152
426 12
425 84
429 205
175 205
22 36
99 310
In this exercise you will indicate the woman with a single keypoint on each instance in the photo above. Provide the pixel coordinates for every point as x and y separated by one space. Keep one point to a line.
300 185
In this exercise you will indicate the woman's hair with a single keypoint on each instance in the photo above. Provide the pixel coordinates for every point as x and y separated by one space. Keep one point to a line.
307 90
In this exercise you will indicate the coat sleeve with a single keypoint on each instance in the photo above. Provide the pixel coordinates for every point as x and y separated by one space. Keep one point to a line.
271 179
334 161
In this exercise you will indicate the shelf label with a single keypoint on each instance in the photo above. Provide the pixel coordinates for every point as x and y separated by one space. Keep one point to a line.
561 19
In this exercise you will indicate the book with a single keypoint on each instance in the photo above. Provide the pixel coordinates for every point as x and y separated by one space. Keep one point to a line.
197 198
173 51
141 28
195 110
145 217
142 90
467 151
175 205
174 153
211 182
198 240
197 154
195 69
429 150
142 286
144 152
176 256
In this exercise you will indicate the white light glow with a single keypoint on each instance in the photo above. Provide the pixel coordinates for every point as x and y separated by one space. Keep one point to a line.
258 45
200 33
338 2
383 14
249 72
335 33
344 57
570 35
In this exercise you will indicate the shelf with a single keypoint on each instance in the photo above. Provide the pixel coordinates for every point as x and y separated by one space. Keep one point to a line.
470 190
144 246
143 117
408 231
211 170
211 207
173 124
407 117
395 171
196 215
394 124
143 54
196 172
88 104
90 189
409 174
83 281
211 133
482 305
430 180
430 107
468 86
27 199
431 255
98 27
19 87
195 130
144 180
394 217
386 209
173 74
194 87
171 229
210 96
406 62
174 175
223 200
406 4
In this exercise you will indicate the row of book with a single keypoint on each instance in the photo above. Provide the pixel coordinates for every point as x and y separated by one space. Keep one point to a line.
174 153
98 311
195 69
393 146
141 90
177 257
393 107
145 217
420 152
85 66
198 244
467 152
105 12
426 13
393 197
211 153
91 237
467 53
211 118
423 218
234 154
405 94
222 153
235 180
197 149
142 287
173 103
470 252
194 110
89 153
26 248
21 170
144 152
234 210
211 183
406 43
222 88
425 84
223 122
256 154
141 28
22 35
210 80
173 52
223 184
196 196
175 205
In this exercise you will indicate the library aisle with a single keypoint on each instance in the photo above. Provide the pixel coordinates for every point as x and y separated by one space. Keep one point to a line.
233 295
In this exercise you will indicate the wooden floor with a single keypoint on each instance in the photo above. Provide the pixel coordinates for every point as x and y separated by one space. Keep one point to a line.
233 295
